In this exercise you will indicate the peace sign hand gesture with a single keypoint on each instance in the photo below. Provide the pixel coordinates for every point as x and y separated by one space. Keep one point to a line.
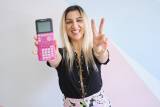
100 44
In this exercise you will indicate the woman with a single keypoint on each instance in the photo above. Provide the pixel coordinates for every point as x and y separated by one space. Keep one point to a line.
79 63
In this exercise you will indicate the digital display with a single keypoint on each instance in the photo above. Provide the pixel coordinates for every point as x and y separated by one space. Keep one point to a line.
44 26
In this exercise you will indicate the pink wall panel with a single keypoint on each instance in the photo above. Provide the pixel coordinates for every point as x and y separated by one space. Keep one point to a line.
123 86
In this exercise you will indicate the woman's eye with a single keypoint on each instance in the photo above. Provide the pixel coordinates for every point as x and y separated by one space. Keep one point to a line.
80 20
68 22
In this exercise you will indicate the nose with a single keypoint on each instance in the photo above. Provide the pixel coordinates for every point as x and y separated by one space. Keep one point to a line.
74 25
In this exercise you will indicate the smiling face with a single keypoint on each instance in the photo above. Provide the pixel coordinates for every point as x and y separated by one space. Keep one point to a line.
74 26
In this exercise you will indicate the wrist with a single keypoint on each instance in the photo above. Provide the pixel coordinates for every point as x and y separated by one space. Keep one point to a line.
54 63
100 53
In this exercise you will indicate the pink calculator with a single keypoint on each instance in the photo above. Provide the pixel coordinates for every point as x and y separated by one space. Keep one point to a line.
45 36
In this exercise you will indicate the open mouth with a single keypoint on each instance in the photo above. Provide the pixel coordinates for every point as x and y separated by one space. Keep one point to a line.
75 32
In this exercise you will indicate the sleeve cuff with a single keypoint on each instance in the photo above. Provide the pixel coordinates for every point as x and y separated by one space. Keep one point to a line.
107 59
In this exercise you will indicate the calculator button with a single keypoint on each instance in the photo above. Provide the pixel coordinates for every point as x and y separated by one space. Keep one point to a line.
51 46
48 38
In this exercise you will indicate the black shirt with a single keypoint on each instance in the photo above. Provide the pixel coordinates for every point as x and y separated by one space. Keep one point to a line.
69 81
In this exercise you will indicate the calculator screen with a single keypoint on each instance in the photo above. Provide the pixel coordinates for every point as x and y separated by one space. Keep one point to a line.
44 26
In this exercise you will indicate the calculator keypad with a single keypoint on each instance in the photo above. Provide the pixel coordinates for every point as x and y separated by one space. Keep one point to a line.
48 53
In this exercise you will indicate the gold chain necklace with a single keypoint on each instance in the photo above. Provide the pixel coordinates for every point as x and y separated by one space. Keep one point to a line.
82 103
81 77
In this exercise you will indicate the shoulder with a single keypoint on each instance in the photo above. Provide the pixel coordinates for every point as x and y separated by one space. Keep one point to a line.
61 50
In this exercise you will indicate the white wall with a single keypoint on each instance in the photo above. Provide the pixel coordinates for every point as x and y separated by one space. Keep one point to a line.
25 82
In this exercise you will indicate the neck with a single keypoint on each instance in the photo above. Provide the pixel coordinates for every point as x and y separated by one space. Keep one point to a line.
77 45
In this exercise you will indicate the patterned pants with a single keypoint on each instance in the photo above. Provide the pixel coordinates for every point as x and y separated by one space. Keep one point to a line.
96 100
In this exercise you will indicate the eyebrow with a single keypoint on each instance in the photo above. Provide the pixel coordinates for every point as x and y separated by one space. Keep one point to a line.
76 18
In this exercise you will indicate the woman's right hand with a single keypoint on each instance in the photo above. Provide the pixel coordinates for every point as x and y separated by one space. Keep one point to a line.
54 63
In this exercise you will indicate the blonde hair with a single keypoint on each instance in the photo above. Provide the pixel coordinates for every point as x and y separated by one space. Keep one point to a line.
87 42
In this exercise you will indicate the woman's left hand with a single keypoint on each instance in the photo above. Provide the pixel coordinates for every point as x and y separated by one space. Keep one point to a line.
100 44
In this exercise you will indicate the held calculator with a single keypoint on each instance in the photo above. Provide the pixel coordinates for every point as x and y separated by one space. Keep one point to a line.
46 42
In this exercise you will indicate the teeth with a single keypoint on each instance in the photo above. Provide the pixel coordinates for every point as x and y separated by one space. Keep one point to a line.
75 31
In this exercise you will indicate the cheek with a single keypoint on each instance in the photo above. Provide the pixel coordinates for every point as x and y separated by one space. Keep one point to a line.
83 31
82 28
67 29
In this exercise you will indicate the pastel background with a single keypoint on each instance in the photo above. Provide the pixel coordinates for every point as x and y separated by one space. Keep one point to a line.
131 79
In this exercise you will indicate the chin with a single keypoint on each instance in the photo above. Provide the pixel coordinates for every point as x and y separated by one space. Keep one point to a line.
76 37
